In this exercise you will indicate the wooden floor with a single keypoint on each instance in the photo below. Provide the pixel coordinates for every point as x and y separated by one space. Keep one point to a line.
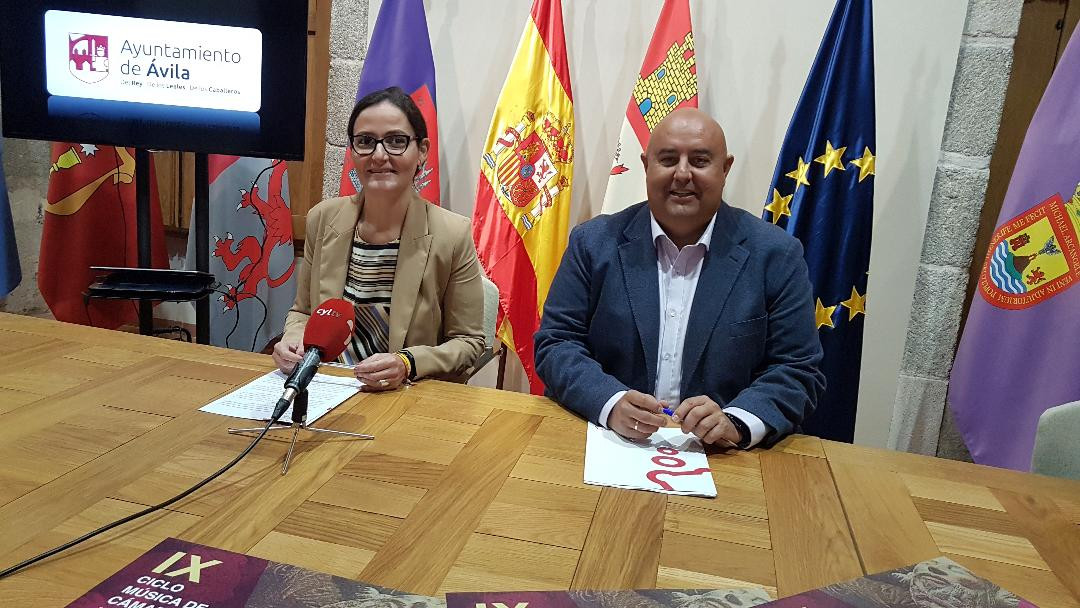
466 489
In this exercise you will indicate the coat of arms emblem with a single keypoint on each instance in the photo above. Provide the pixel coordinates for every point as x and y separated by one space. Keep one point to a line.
88 57
1034 256
528 164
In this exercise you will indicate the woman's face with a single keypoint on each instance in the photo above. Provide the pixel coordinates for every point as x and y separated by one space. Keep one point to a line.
381 171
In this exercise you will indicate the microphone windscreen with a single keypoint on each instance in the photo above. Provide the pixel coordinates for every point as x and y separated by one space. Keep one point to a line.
330 328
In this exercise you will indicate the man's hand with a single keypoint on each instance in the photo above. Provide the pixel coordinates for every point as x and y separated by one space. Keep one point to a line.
287 354
381 372
635 416
704 418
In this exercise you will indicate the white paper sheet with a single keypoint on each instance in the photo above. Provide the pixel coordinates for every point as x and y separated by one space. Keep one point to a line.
256 399
669 462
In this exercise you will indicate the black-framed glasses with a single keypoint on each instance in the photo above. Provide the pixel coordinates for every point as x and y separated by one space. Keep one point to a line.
395 144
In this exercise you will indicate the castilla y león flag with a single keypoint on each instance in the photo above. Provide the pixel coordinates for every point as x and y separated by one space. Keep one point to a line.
523 196
399 55
667 81
90 221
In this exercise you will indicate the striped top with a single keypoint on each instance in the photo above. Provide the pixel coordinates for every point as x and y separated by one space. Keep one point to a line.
368 284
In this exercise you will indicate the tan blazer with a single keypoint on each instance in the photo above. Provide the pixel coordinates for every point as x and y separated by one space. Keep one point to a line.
437 302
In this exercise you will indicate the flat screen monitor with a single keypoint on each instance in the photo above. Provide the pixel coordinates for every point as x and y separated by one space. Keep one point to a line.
222 77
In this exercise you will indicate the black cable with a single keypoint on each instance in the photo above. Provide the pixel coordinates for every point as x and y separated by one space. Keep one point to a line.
86 306
19 566
236 323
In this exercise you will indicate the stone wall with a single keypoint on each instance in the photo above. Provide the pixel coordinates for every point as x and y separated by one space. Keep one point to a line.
26 169
920 423
348 47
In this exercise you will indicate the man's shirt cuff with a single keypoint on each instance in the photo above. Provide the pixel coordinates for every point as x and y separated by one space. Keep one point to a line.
758 428
606 410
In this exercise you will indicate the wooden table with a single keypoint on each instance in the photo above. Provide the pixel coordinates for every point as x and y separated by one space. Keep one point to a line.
466 489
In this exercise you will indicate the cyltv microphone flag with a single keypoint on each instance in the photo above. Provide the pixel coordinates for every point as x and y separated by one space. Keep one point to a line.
399 55
10 270
251 250
523 196
667 81
90 220
822 192
1016 354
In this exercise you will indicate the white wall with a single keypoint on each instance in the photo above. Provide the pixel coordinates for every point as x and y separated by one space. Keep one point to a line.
752 60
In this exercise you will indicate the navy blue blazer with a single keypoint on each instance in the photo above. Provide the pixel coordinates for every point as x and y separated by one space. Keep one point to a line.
751 341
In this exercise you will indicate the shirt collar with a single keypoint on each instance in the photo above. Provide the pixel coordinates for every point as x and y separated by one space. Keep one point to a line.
658 232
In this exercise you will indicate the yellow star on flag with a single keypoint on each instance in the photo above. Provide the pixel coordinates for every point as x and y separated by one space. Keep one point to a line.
856 304
780 205
865 164
832 158
799 174
823 314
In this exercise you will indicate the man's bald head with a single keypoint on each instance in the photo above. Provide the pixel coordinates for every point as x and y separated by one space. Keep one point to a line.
683 120
686 166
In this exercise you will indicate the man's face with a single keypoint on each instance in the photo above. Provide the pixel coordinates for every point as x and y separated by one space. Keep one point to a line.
686 166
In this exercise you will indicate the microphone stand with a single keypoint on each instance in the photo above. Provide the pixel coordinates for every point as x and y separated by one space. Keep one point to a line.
299 423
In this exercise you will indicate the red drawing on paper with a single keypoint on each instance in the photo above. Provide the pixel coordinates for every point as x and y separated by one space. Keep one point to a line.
668 460
652 475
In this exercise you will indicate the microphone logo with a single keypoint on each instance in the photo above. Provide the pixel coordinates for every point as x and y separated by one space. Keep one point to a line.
328 312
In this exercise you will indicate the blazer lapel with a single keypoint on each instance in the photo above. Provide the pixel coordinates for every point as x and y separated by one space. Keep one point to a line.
721 266
336 250
638 260
409 272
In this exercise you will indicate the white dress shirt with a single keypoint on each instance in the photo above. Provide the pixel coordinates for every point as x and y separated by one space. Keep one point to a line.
678 271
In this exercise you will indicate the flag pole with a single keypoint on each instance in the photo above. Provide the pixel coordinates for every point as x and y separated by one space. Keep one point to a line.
142 226
202 242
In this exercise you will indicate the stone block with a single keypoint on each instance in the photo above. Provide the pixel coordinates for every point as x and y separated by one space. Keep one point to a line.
999 18
934 322
950 444
333 161
348 29
982 75
917 412
340 98
953 221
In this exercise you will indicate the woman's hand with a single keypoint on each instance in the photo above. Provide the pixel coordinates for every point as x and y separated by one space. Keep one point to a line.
287 354
381 372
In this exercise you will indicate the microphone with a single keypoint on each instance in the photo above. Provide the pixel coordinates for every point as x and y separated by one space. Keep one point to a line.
327 333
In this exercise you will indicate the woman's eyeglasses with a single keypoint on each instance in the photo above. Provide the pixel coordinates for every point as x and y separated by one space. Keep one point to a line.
393 144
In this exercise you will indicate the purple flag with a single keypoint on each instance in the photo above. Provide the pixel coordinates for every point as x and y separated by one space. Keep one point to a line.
1018 351
399 55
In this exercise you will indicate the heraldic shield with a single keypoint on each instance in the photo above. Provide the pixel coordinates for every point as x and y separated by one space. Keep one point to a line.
526 162
1034 256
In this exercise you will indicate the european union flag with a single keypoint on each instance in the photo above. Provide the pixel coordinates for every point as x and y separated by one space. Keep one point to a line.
10 272
823 193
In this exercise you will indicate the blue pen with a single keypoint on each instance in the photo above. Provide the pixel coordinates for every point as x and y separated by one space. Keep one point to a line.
668 411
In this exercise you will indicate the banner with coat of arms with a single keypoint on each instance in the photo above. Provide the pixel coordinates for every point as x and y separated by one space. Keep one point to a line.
1024 323
90 221
522 211
251 250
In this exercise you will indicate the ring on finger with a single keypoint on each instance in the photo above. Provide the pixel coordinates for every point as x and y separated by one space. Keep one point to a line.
384 383
635 426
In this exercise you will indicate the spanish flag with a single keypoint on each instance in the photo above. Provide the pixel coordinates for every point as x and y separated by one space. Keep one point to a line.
523 196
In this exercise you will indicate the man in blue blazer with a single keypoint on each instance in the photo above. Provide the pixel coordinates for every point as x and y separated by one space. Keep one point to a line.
683 302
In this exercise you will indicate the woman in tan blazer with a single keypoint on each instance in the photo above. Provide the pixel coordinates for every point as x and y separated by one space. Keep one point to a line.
409 267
